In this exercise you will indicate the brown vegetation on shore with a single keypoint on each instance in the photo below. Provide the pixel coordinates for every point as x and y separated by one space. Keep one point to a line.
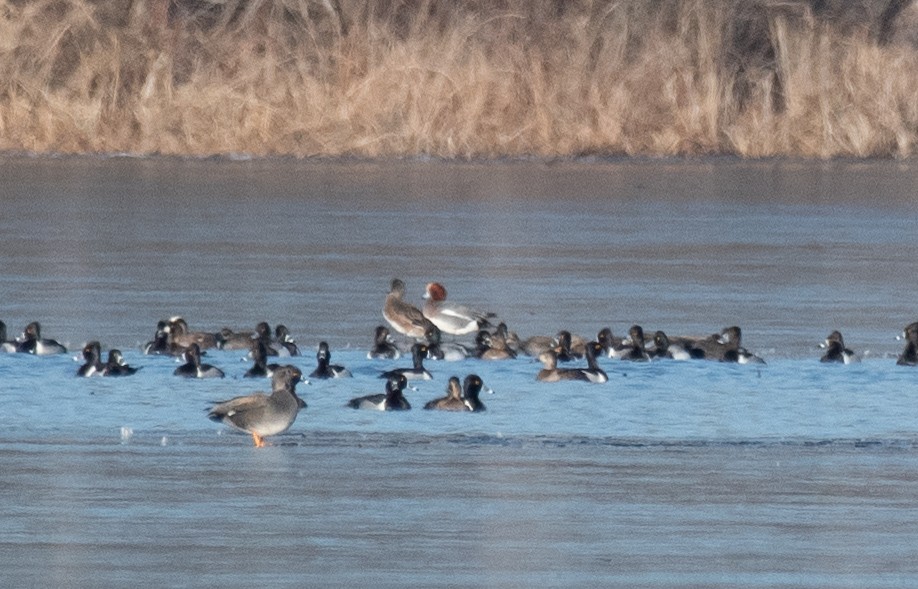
384 78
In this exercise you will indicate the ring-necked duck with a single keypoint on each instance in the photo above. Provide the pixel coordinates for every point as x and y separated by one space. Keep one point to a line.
450 317
607 340
92 365
6 345
193 368
417 371
632 349
161 345
664 348
836 350
383 347
565 347
115 366
453 400
260 368
470 391
282 338
404 317
438 350
326 370
391 400
909 355
264 415
33 343
593 372
273 348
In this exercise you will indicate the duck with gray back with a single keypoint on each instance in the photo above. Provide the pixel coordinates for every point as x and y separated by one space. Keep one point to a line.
263 415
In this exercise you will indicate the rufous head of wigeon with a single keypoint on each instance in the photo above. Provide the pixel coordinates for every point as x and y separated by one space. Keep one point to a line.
435 291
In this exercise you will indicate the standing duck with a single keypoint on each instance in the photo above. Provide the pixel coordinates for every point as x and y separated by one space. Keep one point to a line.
264 415
450 317
404 317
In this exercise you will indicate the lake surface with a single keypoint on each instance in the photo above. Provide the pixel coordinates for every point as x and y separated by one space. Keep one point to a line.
673 474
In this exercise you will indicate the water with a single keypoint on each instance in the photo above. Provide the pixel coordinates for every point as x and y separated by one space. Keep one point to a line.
673 474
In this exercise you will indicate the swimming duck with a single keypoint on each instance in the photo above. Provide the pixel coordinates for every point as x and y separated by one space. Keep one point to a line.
404 317
633 348
227 339
593 372
260 368
391 400
5 345
565 348
551 373
664 348
437 350
193 367
179 334
453 400
909 355
92 365
33 343
470 391
836 350
417 371
537 344
383 347
264 415
491 346
326 370
450 317
115 366
160 344
283 339
607 340
272 347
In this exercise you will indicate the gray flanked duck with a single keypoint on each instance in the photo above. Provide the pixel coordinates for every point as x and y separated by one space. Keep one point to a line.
391 400
325 369
260 414
417 370
33 343
92 362
383 346
836 352
194 368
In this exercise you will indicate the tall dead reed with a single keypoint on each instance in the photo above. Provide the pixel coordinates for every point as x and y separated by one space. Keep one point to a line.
468 79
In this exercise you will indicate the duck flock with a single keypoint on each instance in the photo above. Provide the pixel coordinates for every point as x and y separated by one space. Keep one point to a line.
562 356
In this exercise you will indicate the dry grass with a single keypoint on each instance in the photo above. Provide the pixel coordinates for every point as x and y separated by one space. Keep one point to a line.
457 79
